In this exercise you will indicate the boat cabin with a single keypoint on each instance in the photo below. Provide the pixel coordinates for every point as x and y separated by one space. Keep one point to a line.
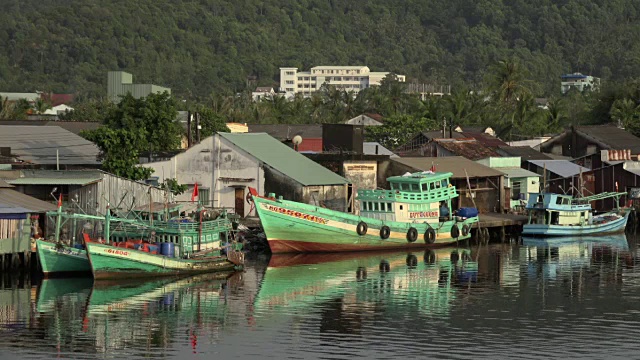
414 197
558 209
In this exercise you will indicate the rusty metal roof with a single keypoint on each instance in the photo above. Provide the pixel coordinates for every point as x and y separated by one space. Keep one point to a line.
453 164
471 149
485 139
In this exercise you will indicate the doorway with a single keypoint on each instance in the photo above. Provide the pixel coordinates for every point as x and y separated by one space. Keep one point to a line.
239 195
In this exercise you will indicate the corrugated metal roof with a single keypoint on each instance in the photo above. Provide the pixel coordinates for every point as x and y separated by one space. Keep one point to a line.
453 164
469 148
20 202
53 181
516 172
4 184
38 144
563 168
612 137
284 159
525 152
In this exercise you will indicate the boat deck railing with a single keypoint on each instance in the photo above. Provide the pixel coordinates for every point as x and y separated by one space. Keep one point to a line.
176 226
397 195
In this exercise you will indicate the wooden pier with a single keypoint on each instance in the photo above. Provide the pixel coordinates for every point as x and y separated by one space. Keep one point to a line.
497 226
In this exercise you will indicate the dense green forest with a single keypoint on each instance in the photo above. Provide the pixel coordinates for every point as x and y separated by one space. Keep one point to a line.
205 46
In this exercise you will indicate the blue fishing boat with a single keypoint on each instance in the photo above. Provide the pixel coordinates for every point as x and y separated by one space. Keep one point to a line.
563 215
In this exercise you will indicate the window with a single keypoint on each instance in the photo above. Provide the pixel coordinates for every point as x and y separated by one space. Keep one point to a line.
432 186
400 207
203 196
290 73
306 78
290 82
375 206
289 89
313 78
425 187
389 207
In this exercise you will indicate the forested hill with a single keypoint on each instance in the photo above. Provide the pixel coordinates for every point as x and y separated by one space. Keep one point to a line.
196 47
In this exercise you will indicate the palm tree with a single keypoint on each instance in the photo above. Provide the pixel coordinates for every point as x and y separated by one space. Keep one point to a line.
508 82
41 105
625 112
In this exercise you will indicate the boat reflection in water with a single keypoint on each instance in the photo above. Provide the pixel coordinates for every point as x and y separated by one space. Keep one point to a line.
553 255
133 314
353 282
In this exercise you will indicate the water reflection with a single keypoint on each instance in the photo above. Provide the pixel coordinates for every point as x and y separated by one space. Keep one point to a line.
560 297
345 285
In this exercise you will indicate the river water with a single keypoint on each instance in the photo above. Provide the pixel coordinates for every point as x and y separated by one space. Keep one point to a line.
569 298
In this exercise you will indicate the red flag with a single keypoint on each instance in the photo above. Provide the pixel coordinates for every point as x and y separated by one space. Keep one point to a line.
433 168
60 200
194 195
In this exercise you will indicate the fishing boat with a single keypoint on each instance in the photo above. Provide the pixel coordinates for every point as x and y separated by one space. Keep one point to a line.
414 213
553 214
145 243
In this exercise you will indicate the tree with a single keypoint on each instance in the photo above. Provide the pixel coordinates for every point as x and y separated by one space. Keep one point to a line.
90 110
119 151
173 186
211 122
398 129
41 105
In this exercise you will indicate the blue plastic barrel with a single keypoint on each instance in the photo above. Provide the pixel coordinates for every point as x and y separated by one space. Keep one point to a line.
153 248
467 212
78 246
168 249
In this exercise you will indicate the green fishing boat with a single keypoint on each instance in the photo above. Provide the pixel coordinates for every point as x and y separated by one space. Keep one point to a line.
154 240
414 213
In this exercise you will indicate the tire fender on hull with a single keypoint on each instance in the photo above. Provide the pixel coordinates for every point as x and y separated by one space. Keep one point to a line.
362 228
412 234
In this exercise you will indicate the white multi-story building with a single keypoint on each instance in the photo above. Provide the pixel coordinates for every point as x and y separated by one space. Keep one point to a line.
349 78
579 82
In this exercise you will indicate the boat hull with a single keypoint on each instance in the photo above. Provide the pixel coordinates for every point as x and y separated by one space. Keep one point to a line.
611 227
108 262
61 260
296 227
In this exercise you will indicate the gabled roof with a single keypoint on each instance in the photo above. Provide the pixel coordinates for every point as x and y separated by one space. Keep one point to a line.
611 137
516 172
453 164
284 159
285 132
374 148
564 168
525 152
38 145
469 148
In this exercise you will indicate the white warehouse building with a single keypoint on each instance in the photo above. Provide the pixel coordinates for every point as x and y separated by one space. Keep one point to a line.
349 78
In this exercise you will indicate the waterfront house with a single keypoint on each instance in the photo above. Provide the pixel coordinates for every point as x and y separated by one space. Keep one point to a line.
561 176
20 216
519 182
582 141
89 191
478 185
225 165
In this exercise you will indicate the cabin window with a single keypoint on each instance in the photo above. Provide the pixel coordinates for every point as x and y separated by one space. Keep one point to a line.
415 187
565 201
432 186
364 206
393 186
389 207
559 201
444 183
425 187
375 206
400 207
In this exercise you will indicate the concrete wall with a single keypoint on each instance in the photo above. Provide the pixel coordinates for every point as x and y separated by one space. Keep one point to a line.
217 165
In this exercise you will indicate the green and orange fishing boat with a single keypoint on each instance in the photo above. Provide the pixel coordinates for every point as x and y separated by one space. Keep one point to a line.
414 213
154 240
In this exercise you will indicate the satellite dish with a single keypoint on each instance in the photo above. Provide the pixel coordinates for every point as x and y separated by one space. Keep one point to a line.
297 140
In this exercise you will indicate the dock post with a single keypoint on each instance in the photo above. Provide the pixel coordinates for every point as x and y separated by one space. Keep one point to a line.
503 234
